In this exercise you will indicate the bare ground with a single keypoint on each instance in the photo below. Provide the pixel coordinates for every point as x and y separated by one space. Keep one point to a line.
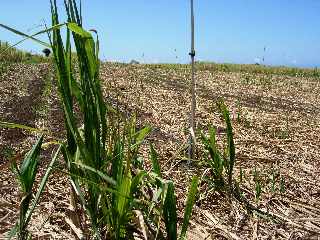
276 124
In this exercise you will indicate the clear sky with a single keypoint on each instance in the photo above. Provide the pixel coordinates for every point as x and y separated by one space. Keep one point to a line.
158 30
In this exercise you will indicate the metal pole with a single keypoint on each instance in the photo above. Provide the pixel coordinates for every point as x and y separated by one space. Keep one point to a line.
193 94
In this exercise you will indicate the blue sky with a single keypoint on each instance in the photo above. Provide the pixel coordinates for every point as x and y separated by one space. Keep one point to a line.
158 31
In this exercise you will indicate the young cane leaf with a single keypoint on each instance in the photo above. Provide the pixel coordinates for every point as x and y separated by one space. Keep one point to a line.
231 148
29 166
26 178
43 184
170 212
20 126
141 134
79 30
190 202
24 35
124 190
154 160
101 174
137 180
32 37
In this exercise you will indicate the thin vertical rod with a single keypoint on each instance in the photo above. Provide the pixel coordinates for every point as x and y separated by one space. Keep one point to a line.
193 86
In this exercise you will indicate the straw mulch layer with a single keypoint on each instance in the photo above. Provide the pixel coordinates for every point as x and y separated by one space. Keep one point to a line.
276 124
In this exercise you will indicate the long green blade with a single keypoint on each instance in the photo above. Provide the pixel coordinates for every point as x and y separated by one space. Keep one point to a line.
20 126
231 148
24 35
79 30
29 165
101 174
154 160
43 184
170 213
188 210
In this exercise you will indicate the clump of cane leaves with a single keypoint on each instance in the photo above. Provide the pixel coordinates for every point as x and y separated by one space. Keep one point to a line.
101 146
102 157
221 164
25 175
99 156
